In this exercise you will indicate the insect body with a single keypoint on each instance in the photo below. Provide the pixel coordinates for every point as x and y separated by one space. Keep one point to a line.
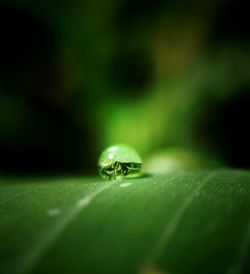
119 161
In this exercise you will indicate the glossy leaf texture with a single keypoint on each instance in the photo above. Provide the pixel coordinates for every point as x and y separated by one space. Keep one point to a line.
170 224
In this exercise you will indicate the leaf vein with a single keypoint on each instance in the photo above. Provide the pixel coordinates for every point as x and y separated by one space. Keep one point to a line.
174 223
35 256
241 257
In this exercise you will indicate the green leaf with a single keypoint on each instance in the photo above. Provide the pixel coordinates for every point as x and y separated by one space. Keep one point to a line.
177 224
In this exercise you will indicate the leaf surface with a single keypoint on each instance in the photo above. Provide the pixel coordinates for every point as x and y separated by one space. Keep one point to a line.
178 224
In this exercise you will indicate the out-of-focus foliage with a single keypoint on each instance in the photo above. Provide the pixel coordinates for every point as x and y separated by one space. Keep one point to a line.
77 76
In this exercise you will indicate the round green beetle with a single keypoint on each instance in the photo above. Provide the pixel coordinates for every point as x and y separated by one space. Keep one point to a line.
119 161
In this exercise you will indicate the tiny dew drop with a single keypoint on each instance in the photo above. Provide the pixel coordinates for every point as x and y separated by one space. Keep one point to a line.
119 161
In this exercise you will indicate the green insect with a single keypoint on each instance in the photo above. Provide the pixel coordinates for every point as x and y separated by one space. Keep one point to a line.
119 161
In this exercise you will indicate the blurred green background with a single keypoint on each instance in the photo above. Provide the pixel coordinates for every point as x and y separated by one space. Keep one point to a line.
171 78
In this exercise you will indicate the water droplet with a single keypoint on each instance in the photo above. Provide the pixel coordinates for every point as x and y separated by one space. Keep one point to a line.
53 212
119 161
124 185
